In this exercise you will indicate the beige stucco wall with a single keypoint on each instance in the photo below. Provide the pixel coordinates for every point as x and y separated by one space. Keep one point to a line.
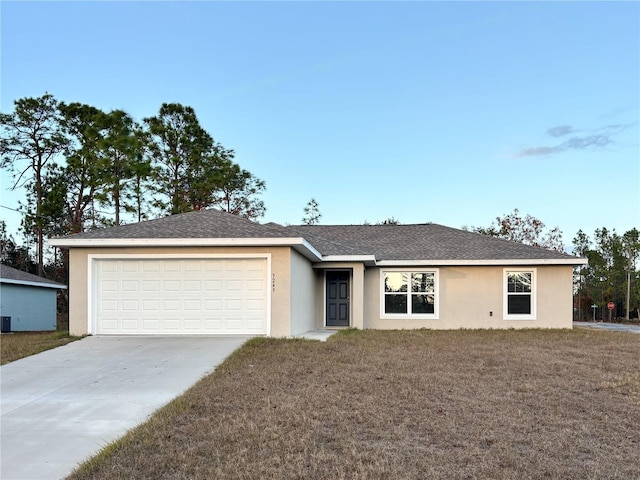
472 297
467 294
280 282
303 299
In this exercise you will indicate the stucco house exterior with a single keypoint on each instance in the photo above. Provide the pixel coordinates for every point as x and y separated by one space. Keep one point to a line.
209 272
29 300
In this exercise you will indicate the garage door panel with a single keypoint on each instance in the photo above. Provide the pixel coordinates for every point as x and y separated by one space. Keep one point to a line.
214 324
213 285
151 305
171 325
130 267
171 286
193 304
130 285
173 296
150 285
171 305
193 286
108 286
130 305
150 324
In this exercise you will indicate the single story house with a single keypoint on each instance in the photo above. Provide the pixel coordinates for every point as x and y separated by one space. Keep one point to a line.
27 302
209 272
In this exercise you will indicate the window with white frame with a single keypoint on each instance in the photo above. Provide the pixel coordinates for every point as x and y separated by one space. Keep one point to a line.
409 293
520 294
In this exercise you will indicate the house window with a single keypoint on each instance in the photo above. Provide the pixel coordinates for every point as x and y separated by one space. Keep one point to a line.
409 293
520 294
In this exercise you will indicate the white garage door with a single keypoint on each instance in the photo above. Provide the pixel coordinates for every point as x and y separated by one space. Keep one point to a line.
180 296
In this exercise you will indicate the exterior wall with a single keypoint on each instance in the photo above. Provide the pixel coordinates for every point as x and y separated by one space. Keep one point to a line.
30 308
303 300
280 292
473 297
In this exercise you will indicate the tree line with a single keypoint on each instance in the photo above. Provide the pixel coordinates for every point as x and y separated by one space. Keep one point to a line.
85 168
611 276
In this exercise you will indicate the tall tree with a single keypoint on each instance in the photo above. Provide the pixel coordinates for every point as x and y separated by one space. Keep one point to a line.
181 153
125 168
528 230
239 190
86 166
54 212
312 213
31 139
14 255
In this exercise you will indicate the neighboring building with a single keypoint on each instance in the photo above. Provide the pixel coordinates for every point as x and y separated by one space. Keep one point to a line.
210 272
29 301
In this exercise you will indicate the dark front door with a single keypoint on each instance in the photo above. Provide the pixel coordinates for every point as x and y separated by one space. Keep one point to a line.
338 292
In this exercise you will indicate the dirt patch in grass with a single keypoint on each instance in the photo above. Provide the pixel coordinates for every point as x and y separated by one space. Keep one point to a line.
17 345
411 404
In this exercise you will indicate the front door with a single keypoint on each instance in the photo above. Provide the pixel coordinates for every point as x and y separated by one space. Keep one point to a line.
338 292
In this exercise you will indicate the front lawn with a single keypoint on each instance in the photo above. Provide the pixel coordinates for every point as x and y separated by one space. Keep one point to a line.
17 345
410 405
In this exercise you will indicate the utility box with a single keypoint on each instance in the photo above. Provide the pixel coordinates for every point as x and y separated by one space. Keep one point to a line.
6 324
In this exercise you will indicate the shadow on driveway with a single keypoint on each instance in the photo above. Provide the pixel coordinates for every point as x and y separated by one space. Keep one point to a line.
61 406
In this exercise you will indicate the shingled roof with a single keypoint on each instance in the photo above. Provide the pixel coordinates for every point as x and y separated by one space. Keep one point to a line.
423 243
18 277
198 224
427 241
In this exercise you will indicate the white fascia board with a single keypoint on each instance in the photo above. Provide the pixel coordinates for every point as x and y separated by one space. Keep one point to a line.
502 262
307 250
33 284
299 243
366 259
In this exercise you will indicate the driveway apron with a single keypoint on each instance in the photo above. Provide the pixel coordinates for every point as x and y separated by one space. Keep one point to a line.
62 406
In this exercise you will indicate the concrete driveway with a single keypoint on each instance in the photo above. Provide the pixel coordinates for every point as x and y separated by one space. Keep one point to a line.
61 406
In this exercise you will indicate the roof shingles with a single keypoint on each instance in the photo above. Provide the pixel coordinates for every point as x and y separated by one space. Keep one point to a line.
13 275
386 242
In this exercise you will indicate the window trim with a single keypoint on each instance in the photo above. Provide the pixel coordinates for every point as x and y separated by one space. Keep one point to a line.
505 294
412 316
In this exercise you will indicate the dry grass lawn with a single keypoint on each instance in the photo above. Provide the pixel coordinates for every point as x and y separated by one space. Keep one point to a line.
401 405
17 345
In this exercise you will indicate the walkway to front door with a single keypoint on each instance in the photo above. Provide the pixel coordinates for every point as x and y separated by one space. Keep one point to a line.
338 293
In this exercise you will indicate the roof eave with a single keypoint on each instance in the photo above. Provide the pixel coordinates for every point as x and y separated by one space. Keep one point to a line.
33 284
368 260
297 243
484 262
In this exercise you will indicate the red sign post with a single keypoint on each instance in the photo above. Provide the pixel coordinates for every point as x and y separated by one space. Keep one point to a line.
610 306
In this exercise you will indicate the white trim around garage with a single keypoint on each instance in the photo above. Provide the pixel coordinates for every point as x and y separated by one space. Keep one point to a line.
92 273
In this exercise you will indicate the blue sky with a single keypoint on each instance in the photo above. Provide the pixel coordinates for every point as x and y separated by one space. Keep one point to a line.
452 112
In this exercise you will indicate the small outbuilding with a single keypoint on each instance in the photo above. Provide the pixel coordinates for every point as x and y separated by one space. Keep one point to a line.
27 301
